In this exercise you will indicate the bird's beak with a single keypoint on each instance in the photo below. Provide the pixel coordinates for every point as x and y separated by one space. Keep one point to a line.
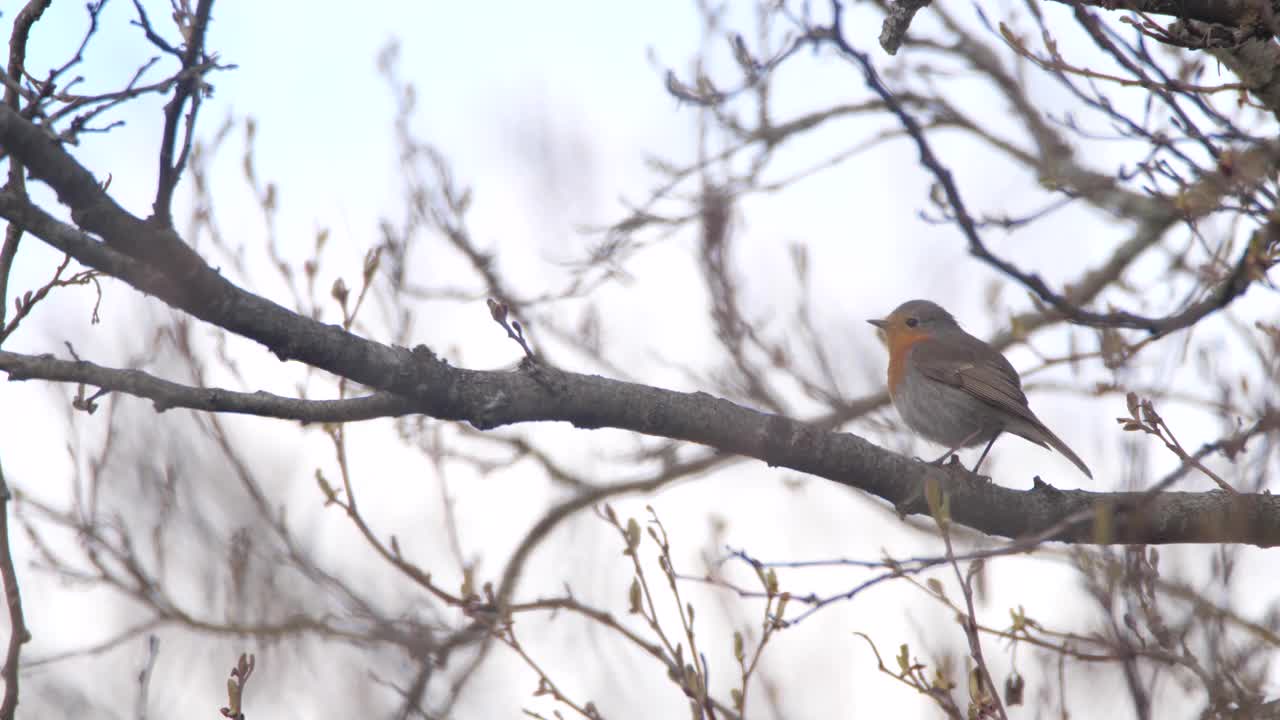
879 323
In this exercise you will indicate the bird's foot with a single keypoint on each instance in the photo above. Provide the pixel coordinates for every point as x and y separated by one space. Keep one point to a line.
943 458
942 462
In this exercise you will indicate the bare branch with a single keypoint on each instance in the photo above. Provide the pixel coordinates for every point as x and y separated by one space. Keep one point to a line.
18 632
1262 253
190 88
144 675
22 24
166 395
1237 13
896 22
1252 18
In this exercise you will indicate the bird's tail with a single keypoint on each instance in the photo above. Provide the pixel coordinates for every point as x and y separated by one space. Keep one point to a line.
1047 434
1043 436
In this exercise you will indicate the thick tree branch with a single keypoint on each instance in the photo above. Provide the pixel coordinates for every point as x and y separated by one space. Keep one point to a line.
536 393
91 207
1236 13
1255 62
1248 15
896 22
489 399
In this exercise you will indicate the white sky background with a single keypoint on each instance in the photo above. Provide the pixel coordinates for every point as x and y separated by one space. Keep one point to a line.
548 110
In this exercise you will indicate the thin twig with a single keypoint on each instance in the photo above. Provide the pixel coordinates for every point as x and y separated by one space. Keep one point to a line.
189 88
18 633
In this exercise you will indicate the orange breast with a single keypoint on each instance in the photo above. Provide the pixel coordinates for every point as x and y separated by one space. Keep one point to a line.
900 343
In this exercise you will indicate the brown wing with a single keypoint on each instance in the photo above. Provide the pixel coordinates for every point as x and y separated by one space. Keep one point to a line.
964 362
967 363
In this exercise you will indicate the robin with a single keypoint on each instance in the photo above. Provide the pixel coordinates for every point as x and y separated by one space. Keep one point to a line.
952 388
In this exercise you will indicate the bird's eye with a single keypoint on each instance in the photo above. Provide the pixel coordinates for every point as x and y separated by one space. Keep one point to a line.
912 322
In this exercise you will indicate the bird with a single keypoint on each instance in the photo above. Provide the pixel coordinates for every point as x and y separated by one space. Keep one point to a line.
954 389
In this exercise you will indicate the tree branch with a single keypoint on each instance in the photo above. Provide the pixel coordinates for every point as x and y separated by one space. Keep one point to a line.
1244 14
489 399
22 24
493 398
1262 253
189 88
896 22
1236 13
18 632
166 395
